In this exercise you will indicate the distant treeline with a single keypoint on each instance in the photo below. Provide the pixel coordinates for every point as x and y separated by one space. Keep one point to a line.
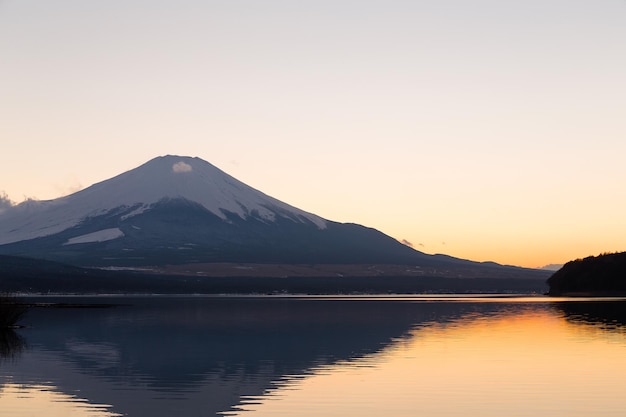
23 275
604 274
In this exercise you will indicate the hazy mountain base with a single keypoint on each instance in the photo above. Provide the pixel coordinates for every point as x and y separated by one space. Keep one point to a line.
22 275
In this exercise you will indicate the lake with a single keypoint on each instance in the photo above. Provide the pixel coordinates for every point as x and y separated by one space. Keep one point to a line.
317 356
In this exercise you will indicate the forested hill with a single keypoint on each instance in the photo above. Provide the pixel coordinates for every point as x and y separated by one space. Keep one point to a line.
595 275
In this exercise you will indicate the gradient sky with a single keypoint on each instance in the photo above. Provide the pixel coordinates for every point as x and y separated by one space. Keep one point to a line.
485 129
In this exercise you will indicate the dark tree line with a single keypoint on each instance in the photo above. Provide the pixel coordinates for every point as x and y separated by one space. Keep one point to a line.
604 274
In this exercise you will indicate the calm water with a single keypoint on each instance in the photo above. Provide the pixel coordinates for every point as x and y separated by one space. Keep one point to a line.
252 357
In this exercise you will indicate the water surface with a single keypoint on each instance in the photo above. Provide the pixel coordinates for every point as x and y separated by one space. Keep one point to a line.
314 356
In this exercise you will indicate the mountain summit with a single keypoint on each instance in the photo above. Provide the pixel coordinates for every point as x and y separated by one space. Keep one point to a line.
176 210
141 189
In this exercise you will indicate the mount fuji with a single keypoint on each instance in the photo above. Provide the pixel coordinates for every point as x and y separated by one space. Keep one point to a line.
180 210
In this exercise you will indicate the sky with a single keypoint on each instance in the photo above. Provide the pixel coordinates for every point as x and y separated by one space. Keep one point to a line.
488 130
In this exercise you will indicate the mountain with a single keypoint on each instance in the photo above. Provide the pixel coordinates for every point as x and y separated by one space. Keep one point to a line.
552 267
176 210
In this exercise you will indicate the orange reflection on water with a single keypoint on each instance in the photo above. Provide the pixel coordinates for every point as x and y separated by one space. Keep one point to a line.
17 400
524 363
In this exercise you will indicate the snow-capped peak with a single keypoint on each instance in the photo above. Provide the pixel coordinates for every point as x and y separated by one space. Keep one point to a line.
161 178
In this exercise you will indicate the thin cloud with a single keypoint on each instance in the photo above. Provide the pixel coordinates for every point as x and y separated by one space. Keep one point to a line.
407 243
181 166
5 202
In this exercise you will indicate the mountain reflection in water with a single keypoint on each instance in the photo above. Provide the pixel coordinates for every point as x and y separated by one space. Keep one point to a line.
205 356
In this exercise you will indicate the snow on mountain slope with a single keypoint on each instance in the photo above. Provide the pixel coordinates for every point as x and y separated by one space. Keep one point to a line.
135 191
99 236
